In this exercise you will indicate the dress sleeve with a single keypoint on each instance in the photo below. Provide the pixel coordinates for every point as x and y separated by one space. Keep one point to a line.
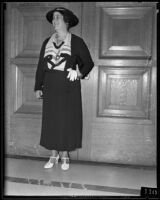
85 56
40 69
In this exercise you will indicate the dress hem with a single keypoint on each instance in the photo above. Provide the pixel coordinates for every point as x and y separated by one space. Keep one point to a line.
62 149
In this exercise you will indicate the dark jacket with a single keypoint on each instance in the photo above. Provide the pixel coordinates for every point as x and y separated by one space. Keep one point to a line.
79 55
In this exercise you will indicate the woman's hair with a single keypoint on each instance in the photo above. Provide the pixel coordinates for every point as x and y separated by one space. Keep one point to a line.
66 20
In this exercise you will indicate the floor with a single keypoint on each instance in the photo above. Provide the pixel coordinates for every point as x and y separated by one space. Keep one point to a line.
27 177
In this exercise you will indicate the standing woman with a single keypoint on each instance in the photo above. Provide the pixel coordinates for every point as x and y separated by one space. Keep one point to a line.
58 82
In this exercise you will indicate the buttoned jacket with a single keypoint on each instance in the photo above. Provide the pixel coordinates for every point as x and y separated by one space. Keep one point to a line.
80 56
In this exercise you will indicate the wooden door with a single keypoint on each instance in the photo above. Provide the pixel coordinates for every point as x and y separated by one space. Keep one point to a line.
119 98
27 28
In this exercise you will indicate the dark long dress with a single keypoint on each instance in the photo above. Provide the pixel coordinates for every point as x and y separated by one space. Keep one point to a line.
62 106
62 112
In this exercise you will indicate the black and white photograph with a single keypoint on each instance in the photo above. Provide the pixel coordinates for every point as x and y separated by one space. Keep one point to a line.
80 99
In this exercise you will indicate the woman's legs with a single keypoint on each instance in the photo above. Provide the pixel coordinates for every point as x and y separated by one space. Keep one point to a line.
65 160
64 154
52 160
54 153
55 157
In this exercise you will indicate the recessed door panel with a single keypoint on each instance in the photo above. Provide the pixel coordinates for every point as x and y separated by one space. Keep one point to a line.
125 32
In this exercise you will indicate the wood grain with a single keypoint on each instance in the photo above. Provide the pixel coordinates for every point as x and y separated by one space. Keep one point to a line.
119 98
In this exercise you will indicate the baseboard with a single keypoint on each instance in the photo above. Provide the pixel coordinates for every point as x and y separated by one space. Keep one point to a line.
83 162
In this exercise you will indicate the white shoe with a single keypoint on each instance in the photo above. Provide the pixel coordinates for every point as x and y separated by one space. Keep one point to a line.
52 161
65 163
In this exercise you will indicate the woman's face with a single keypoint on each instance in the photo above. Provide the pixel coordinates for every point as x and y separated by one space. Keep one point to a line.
58 22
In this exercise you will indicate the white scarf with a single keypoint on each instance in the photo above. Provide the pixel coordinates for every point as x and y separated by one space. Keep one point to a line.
51 50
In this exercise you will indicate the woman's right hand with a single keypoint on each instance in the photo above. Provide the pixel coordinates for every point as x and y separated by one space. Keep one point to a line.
39 94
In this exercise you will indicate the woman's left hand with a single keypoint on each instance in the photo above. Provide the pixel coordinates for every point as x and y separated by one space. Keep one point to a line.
72 75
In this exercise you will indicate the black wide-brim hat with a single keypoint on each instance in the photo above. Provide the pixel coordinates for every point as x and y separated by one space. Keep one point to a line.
72 19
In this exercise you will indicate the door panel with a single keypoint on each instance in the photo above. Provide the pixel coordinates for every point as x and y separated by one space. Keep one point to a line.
29 29
125 32
118 98
120 125
123 92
